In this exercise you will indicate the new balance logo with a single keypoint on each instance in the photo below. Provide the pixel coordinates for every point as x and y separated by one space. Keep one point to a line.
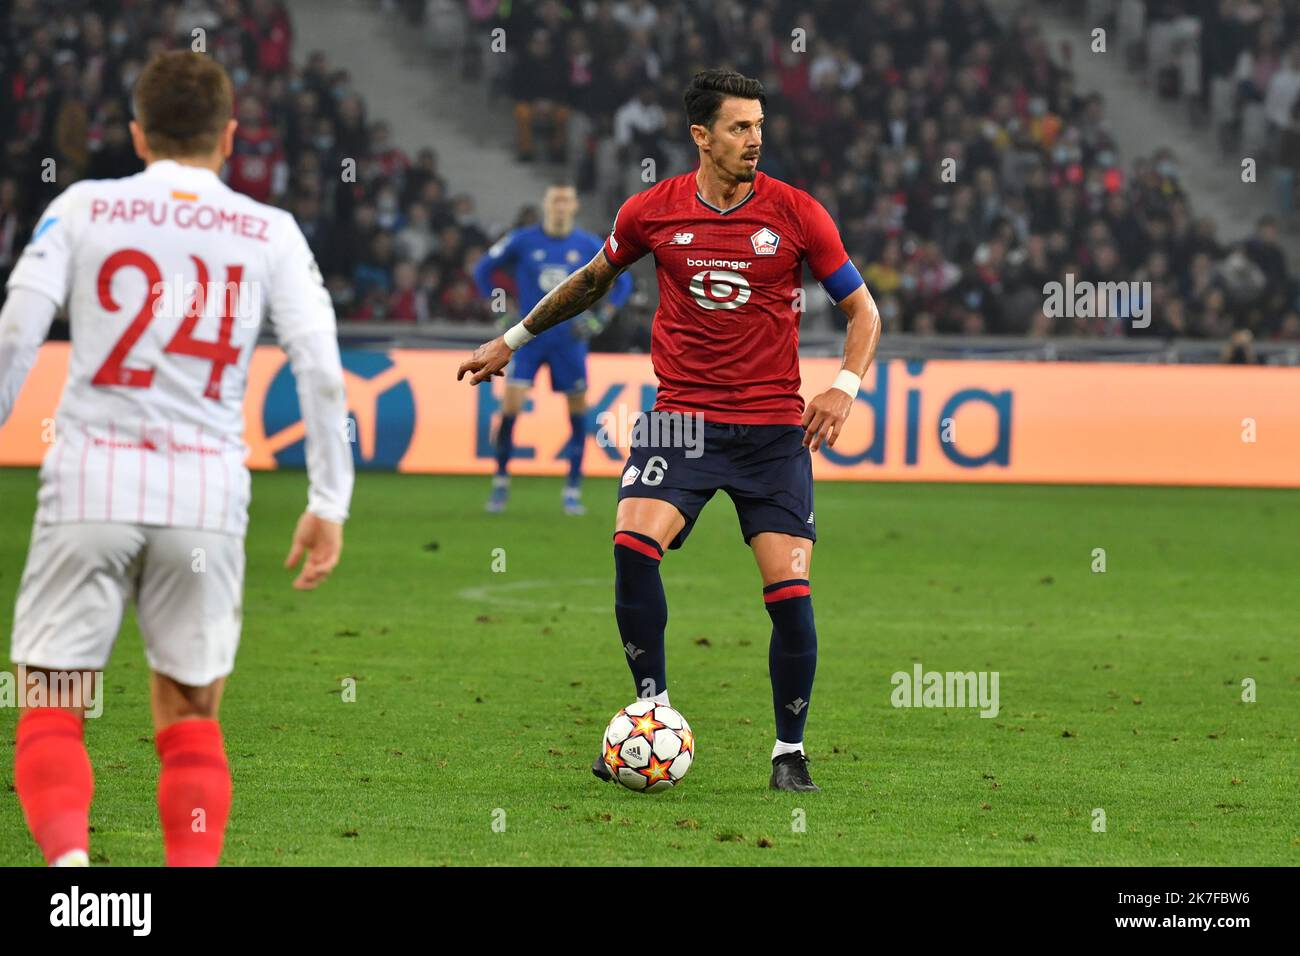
810 518
634 652
796 707
683 238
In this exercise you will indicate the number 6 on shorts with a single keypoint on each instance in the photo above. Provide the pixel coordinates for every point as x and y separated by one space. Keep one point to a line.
654 471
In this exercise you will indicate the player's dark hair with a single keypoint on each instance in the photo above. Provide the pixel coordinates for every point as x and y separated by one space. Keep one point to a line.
183 100
709 88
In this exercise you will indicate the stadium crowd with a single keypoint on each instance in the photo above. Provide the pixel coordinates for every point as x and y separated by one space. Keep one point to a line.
391 240
1255 46
1037 187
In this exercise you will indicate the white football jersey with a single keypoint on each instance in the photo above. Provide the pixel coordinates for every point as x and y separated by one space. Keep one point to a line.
166 276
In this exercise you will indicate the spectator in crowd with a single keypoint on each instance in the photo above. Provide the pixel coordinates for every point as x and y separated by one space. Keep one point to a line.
13 228
461 303
1263 250
538 84
638 126
1284 89
424 171
416 241
374 271
315 227
405 304
257 166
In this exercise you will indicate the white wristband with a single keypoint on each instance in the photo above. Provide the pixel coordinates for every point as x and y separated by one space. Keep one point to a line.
847 382
518 335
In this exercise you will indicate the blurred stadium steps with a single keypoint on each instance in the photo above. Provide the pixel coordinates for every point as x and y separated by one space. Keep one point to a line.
410 76
1140 119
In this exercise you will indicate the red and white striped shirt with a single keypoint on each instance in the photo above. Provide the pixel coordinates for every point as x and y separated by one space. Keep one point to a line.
167 276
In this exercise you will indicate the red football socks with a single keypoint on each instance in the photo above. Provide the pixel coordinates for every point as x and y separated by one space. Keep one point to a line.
54 780
193 792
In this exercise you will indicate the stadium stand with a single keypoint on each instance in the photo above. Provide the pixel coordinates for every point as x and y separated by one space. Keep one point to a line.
1042 189
1236 62
393 242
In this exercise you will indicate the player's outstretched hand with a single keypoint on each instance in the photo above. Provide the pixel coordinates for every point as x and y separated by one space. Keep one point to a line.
488 359
322 542
824 416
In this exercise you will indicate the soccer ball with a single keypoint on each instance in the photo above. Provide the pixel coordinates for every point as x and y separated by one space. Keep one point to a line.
648 746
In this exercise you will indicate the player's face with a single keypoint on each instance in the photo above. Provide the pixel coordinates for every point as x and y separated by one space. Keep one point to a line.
735 140
559 206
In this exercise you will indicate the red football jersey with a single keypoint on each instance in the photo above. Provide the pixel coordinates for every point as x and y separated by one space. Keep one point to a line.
725 340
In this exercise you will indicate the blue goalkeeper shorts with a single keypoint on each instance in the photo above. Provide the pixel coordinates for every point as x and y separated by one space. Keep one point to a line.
561 351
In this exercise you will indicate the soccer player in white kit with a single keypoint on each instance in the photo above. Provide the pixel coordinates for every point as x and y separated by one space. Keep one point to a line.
144 493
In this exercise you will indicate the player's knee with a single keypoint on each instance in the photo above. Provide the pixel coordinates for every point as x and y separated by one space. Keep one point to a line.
174 701
651 517
513 401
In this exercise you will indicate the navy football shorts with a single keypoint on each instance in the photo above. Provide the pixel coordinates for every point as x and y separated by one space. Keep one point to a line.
764 468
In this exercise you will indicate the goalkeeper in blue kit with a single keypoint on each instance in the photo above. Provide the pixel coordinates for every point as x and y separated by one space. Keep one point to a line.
540 258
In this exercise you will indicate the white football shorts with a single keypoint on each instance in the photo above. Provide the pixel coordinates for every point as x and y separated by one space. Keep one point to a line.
187 586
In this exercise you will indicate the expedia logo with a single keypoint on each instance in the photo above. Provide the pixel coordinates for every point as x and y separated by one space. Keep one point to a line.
719 289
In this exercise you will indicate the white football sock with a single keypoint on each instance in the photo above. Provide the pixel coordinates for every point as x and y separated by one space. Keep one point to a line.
784 748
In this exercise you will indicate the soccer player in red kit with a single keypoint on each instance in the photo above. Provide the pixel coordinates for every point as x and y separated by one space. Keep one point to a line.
729 244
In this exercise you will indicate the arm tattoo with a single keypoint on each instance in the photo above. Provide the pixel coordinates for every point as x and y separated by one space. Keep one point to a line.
579 292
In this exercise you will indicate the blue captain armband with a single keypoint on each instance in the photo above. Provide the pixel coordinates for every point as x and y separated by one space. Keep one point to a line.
843 282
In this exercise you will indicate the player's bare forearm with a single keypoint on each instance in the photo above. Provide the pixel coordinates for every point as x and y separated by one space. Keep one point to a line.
575 295
825 415
863 336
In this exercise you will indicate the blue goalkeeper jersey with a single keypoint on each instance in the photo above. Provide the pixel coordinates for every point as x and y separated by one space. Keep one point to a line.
539 262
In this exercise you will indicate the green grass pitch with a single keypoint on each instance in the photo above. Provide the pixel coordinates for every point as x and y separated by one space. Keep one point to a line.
480 695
